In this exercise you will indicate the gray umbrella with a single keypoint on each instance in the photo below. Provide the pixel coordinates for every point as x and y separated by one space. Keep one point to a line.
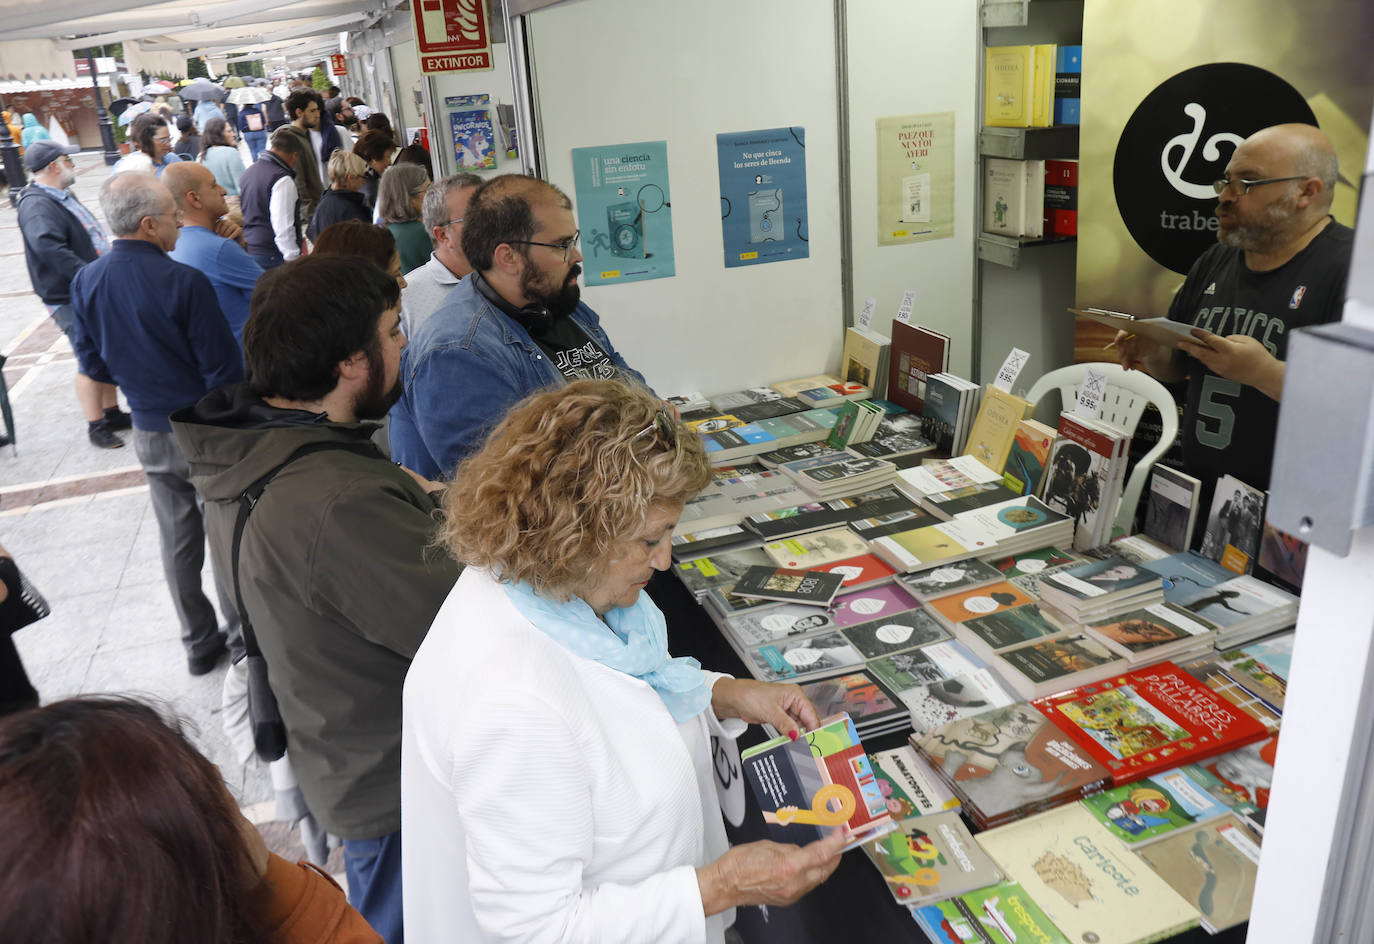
202 89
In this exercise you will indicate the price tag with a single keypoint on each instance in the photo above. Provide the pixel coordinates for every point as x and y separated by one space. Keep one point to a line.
1090 393
866 315
1011 369
904 310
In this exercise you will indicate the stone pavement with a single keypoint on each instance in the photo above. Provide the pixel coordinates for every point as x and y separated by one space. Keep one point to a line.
79 523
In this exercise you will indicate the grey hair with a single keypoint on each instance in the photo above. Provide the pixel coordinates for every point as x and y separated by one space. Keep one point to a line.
127 198
1313 160
435 209
399 184
344 164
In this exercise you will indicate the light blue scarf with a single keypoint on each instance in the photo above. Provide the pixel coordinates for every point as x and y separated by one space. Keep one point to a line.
638 646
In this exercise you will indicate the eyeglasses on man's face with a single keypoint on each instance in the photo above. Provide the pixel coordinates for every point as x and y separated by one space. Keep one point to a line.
566 247
1240 186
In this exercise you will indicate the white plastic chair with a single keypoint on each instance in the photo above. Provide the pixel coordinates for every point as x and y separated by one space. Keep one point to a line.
1126 396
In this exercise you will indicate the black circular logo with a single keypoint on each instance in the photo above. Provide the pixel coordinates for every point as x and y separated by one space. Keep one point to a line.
1179 140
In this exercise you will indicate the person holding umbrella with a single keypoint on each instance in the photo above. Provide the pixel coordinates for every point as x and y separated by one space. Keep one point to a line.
252 122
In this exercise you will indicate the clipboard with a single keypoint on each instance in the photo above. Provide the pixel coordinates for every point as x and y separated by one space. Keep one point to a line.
1160 330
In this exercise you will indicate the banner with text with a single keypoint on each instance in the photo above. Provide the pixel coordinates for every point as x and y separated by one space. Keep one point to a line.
915 178
452 35
763 195
625 212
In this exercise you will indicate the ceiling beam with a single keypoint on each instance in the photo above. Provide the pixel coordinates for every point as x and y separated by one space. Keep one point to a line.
254 13
193 48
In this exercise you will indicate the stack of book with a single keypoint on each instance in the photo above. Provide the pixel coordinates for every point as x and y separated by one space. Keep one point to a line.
942 475
874 710
812 516
951 402
823 390
1243 609
1152 633
724 446
865 359
956 501
1034 656
1100 589
1086 474
898 439
816 548
909 784
855 422
826 479
1014 198
1019 86
755 403
720 570
952 578
930 858
994 430
734 493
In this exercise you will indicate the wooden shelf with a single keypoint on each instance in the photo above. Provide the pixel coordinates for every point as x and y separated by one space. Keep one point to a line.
1006 251
1023 144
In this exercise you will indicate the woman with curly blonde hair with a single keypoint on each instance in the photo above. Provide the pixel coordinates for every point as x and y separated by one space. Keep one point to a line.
556 774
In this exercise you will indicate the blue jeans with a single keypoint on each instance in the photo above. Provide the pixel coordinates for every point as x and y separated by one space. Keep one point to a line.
267 261
257 142
373 867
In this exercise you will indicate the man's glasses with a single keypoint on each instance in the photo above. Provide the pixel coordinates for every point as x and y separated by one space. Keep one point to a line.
663 425
567 246
459 219
1240 187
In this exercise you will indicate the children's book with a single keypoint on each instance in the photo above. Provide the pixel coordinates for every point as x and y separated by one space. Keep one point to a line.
1088 883
1147 721
998 914
820 782
1213 866
1138 813
1008 762
908 783
931 857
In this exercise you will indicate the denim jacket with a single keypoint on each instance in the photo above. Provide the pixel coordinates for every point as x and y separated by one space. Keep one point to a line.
464 368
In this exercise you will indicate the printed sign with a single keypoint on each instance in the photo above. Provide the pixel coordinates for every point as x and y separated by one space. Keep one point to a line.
625 212
763 195
452 35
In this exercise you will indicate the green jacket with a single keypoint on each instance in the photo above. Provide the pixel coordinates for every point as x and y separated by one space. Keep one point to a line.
340 582
308 184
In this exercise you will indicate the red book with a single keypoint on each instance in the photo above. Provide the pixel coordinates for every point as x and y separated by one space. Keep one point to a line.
1150 720
916 353
1061 198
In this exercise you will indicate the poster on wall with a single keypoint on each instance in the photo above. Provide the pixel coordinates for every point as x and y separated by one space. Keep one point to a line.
763 195
624 210
1153 140
915 178
472 131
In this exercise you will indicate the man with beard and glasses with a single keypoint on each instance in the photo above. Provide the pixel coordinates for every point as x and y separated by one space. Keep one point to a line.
514 326
337 571
1280 264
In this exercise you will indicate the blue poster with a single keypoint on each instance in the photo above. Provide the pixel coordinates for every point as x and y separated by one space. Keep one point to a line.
763 195
625 212
474 140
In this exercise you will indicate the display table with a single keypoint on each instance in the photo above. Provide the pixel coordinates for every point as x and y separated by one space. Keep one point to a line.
854 903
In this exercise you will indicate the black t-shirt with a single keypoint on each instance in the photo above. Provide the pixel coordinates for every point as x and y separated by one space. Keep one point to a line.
1229 428
576 355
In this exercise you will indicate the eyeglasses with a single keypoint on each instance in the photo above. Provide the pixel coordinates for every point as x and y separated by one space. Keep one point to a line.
663 424
567 246
459 219
1241 187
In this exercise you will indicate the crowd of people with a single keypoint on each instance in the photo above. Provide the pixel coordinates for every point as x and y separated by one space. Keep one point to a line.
434 493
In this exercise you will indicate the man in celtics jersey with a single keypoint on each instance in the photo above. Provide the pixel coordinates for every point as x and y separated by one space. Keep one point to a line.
1280 263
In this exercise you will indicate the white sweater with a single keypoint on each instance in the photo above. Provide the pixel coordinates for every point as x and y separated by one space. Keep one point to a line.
546 797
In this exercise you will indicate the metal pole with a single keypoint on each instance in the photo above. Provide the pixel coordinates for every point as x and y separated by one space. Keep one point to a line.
14 169
102 117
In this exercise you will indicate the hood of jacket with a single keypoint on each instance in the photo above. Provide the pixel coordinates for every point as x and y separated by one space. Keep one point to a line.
231 438
30 121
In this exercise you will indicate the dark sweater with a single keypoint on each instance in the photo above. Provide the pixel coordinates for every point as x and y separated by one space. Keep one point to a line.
154 327
338 206
56 245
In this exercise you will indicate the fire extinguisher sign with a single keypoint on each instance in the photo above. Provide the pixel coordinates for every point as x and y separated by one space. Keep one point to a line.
452 35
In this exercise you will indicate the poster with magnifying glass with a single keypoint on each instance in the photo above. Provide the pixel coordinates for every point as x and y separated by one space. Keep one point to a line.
624 211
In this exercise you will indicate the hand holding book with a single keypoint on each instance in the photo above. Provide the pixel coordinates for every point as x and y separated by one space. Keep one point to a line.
768 873
782 705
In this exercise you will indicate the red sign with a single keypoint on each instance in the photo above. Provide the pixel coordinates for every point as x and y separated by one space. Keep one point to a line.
338 64
452 35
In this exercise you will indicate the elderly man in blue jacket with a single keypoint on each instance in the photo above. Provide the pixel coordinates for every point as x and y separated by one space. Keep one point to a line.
154 327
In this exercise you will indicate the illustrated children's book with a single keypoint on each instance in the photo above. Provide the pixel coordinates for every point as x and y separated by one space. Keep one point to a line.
1149 720
909 785
1090 885
931 857
1139 812
999 914
820 782
1213 866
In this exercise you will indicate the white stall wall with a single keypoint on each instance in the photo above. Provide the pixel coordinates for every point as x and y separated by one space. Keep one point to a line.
613 72
915 57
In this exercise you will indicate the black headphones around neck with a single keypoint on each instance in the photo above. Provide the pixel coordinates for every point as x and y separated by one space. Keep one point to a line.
536 319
